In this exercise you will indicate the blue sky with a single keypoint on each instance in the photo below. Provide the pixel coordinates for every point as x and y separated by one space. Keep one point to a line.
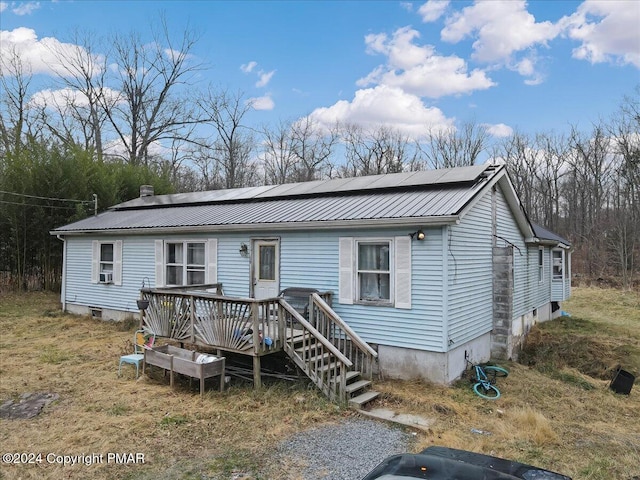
532 66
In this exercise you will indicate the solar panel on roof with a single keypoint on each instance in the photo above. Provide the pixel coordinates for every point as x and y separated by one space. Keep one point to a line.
423 177
287 189
340 185
462 174
329 186
387 181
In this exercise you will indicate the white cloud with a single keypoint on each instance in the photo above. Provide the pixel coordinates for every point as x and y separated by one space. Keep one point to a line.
502 30
3 6
501 27
384 106
417 69
262 103
608 31
40 55
25 8
264 78
59 99
499 130
248 67
433 10
529 67
62 98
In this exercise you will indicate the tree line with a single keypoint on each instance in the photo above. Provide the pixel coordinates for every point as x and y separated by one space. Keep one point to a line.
137 115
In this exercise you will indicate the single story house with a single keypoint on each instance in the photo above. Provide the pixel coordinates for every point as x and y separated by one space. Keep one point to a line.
430 268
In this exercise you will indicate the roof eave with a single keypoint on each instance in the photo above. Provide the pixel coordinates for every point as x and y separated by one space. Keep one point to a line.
280 227
548 242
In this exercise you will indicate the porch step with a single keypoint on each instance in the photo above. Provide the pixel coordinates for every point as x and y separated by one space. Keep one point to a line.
360 400
355 386
352 374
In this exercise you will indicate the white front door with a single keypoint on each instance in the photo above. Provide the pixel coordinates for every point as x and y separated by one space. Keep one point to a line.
266 268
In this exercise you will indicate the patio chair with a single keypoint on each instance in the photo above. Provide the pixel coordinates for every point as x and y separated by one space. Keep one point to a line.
142 339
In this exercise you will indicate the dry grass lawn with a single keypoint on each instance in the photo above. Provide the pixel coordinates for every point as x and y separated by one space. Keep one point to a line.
554 414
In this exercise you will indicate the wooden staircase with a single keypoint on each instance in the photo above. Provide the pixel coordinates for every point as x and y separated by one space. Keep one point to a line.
326 360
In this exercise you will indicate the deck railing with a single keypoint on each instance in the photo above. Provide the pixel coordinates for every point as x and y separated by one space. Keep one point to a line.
228 323
329 324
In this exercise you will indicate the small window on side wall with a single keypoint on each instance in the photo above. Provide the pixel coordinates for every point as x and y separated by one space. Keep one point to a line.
106 266
540 264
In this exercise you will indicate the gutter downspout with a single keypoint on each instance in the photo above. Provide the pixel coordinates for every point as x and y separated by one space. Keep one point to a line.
63 289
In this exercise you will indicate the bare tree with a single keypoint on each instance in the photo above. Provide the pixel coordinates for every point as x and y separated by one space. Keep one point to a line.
455 147
154 103
279 157
624 240
519 155
552 153
371 153
15 79
232 151
313 147
78 114
588 193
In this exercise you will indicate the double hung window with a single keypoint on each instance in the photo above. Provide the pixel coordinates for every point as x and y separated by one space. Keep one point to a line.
106 262
374 266
541 264
106 258
375 271
185 263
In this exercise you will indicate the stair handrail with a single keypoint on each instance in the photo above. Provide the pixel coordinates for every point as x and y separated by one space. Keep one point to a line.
326 343
333 382
355 338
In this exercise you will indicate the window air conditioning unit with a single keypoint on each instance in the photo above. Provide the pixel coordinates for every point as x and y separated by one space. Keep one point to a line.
106 277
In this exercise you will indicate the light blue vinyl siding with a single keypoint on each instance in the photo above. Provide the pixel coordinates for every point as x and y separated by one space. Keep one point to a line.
234 270
528 293
137 264
560 290
470 275
310 259
539 292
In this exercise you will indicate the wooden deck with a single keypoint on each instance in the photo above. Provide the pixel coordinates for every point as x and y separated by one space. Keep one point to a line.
323 346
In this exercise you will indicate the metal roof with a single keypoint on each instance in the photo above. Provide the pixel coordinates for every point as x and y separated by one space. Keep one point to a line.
443 176
424 197
544 234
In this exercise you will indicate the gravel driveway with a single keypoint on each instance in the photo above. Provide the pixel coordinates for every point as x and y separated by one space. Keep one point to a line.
344 451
